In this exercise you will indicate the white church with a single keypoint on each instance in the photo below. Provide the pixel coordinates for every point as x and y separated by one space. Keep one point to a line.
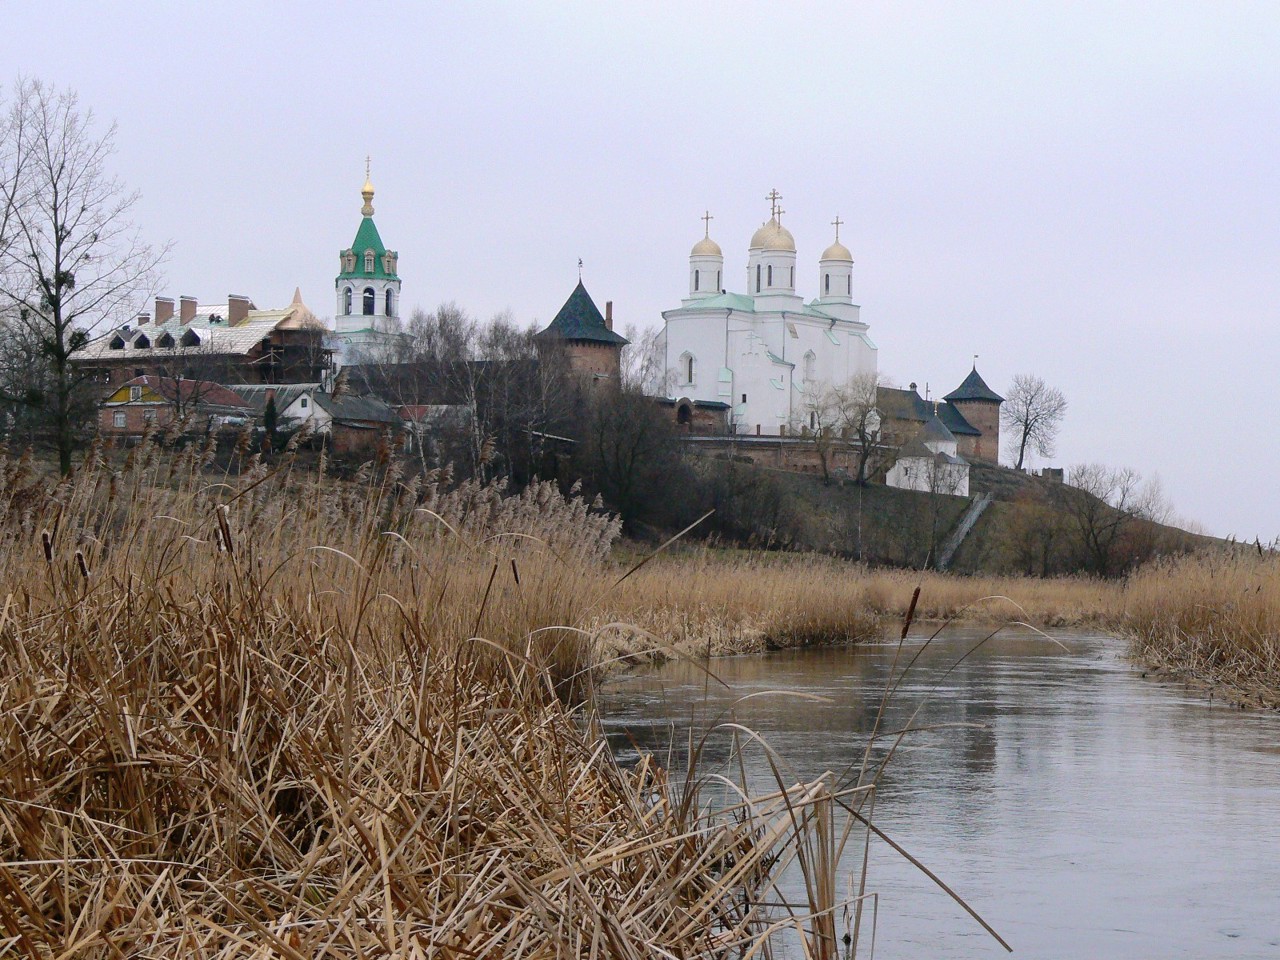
761 353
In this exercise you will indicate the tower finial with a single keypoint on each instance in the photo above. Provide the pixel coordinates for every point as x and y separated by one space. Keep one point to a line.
975 361
706 222
579 269
367 190
773 198
836 223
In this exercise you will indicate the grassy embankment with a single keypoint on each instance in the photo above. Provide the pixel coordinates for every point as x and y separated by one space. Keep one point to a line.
275 715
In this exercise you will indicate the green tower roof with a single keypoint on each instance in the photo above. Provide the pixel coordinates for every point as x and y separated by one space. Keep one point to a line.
580 319
367 240
974 388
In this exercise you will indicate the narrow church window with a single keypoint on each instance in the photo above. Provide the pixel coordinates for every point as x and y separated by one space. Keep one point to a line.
848 282
347 301
370 301
719 287
391 311
771 274
757 278
793 276
695 280
688 367
826 283
368 262
744 398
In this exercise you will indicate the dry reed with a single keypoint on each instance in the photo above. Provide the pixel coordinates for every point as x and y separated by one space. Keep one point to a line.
277 715
1214 618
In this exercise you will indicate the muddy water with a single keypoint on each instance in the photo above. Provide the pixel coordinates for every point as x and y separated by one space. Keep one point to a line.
1082 809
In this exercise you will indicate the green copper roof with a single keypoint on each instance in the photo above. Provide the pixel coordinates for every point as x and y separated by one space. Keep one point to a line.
580 319
974 388
367 238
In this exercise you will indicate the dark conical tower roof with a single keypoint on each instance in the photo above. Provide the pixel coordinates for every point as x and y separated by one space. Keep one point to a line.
580 319
973 388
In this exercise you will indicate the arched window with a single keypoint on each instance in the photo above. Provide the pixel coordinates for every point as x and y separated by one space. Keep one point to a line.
696 279
757 278
368 262
770 281
719 286
810 365
370 301
848 282
688 367
391 303
826 283
793 277
346 301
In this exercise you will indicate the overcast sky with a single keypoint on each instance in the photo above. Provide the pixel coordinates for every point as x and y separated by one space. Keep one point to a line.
1088 192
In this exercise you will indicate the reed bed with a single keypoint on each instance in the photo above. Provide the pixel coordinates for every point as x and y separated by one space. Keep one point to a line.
715 602
1214 618
276 715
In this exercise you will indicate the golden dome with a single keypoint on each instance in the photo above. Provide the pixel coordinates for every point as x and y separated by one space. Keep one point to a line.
773 236
837 251
706 247
367 190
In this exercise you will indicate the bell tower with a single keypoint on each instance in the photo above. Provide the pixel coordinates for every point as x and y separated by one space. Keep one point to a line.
367 286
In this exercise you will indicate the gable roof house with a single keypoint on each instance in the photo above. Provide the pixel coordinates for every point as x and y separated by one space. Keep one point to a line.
233 342
155 402
351 424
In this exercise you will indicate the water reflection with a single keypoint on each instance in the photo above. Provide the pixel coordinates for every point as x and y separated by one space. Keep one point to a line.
1082 809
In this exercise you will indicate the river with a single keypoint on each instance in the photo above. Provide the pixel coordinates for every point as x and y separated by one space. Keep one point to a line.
1082 809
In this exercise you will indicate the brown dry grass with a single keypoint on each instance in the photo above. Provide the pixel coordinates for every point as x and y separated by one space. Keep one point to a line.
275 715
1213 618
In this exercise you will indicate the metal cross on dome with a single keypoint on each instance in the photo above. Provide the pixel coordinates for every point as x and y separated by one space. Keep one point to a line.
773 198
836 223
706 220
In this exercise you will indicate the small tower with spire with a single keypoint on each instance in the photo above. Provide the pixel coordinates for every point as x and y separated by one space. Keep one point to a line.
367 285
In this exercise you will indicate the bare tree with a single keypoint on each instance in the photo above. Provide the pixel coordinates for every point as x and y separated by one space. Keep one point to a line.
860 422
1104 505
642 361
70 259
1032 413
821 408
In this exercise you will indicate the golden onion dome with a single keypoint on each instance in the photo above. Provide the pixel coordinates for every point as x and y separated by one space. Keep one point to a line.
706 247
773 236
837 251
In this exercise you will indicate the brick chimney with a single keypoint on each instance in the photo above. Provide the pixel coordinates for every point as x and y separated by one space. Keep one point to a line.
143 318
608 314
164 309
187 307
237 308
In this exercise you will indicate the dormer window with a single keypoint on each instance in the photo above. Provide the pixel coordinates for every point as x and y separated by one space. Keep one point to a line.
368 262
135 393
348 262
389 263
165 341
140 342
191 339
117 343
